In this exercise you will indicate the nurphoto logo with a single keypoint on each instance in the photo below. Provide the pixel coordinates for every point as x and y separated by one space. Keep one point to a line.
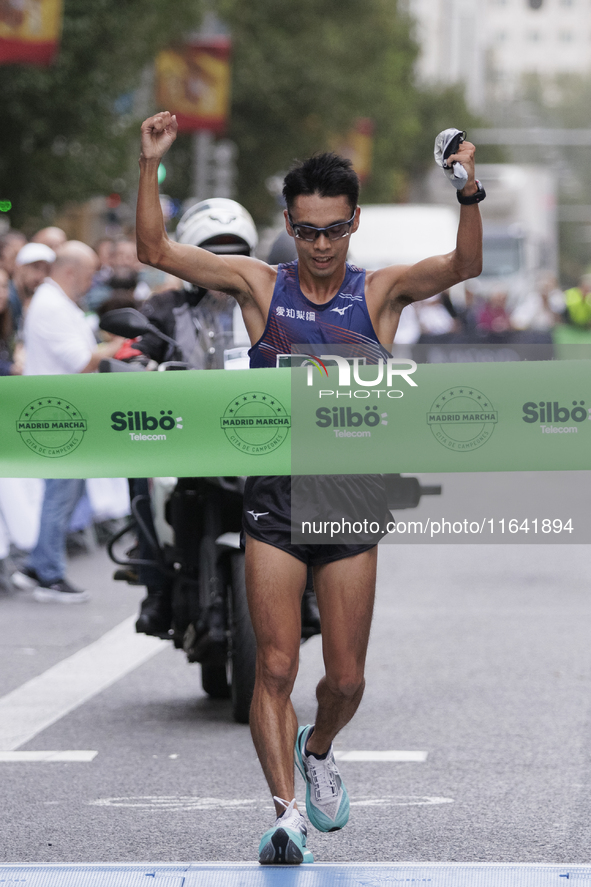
385 373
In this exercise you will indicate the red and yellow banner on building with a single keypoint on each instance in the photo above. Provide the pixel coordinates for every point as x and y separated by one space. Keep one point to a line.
29 31
357 145
193 82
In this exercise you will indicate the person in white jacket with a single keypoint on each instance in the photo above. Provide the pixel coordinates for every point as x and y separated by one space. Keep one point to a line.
58 341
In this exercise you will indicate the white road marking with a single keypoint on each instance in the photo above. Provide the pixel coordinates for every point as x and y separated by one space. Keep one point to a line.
26 757
399 757
239 874
45 699
401 801
184 803
168 803
578 870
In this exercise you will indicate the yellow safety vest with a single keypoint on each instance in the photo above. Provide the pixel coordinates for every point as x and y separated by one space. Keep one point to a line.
578 305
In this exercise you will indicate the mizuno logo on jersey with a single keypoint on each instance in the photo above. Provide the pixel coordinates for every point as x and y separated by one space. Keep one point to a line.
257 514
341 311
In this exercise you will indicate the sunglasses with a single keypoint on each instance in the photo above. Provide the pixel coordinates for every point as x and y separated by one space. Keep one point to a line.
310 233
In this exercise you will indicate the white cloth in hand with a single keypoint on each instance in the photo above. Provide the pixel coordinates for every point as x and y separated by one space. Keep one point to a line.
456 172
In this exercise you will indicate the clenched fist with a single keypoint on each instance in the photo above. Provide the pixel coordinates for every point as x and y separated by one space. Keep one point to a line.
465 156
158 134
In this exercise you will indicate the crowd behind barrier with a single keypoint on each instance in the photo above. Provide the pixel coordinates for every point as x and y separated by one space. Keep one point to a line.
117 279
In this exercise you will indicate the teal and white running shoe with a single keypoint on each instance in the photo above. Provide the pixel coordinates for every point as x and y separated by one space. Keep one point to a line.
327 801
285 843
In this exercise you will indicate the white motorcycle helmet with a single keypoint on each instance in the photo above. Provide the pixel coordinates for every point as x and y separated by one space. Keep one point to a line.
219 225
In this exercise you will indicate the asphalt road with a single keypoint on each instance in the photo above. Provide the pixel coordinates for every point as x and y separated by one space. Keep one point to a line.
480 656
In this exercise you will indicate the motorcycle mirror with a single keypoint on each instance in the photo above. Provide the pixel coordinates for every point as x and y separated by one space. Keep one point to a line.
126 322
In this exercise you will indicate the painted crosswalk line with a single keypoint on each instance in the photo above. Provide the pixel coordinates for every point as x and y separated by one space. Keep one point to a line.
45 699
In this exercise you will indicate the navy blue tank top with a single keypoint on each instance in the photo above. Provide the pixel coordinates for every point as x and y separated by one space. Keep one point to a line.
295 320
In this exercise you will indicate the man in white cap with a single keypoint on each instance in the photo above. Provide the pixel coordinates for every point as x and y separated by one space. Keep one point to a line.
32 265
59 341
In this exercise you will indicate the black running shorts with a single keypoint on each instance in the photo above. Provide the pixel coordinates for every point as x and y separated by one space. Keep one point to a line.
271 503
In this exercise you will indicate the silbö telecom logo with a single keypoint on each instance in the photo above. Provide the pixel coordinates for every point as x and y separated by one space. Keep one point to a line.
138 422
553 417
51 427
342 419
347 421
462 418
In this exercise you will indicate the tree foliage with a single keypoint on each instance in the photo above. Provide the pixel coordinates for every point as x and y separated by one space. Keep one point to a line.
69 125
302 73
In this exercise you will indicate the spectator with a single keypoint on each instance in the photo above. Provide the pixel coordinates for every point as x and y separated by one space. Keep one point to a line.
10 243
119 271
52 237
20 509
437 316
58 340
578 302
409 330
118 299
493 316
8 366
541 310
104 250
32 265
126 269
468 314
100 289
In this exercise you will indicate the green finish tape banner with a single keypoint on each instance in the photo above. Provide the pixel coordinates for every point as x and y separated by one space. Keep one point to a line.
513 416
523 416
183 424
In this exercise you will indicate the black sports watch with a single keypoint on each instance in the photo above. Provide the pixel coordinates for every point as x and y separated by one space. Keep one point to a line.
474 198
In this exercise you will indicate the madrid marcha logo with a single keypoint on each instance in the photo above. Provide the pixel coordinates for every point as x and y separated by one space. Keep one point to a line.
255 423
462 418
51 426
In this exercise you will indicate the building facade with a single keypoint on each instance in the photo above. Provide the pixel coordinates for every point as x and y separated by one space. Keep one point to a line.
490 44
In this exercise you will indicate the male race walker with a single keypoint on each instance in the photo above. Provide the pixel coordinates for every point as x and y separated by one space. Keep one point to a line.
322 212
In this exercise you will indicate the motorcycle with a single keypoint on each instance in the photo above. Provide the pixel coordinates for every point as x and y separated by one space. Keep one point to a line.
197 547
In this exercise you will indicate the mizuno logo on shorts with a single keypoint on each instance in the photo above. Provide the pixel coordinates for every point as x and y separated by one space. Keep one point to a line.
257 514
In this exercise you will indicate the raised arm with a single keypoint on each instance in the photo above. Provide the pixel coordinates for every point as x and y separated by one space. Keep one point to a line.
238 275
398 286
